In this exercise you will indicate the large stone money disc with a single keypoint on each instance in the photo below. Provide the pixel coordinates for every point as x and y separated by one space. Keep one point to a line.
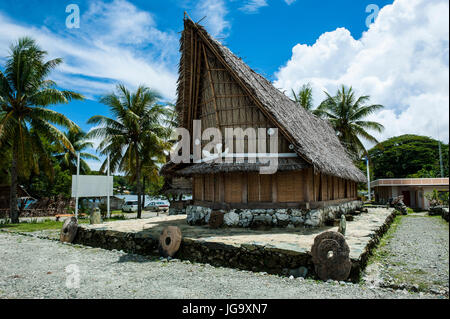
69 230
169 241
330 255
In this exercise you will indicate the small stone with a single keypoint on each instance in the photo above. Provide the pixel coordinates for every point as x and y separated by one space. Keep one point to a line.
291 277
342 225
96 216
231 219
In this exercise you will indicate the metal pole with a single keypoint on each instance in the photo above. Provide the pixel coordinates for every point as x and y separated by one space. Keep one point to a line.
368 179
440 160
78 181
108 214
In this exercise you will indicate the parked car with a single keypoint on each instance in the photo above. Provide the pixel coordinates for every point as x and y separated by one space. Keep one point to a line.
130 206
156 205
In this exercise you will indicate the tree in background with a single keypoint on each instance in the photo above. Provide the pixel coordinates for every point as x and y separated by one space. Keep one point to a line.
408 156
25 93
304 98
134 135
346 114
68 159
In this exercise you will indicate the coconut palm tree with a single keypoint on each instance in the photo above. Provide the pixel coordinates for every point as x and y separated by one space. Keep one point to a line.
68 159
304 97
135 134
346 114
25 94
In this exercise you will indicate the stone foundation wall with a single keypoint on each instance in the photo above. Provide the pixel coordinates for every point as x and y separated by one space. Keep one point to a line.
255 256
439 210
178 207
290 217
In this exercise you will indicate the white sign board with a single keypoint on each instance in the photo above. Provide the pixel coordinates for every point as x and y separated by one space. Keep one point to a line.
92 186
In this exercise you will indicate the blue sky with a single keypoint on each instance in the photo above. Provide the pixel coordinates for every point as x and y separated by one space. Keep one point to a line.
401 59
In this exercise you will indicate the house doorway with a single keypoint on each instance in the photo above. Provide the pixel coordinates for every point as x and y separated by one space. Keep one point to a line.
406 198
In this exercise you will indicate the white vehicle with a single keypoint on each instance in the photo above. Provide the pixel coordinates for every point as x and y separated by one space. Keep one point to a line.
157 206
130 206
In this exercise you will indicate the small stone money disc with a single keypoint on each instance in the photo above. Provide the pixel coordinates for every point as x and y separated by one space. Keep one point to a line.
169 241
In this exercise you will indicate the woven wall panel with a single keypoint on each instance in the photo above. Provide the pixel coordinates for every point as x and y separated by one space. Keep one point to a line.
316 187
265 187
330 187
253 187
217 181
290 186
209 187
341 188
324 188
233 188
198 187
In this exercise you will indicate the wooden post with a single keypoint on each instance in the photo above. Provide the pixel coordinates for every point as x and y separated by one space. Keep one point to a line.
221 188
244 179
274 188
306 185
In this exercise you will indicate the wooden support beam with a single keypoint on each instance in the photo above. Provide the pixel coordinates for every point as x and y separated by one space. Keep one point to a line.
212 87
306 182
244 187
197 82
288 136
274 188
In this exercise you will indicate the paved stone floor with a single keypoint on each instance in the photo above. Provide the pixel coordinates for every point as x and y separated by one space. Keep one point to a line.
414 254
40 268
359 232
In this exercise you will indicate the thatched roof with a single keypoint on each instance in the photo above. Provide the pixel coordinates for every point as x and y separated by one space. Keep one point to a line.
284 164
177 186
313 138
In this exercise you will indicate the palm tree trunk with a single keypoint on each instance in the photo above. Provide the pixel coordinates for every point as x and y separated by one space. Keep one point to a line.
143 190
138 181
13 209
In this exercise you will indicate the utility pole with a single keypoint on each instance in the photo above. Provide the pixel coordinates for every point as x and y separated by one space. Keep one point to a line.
440 159
368 178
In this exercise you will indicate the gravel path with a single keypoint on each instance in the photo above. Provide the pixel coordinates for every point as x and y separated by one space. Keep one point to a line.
38 268
414 255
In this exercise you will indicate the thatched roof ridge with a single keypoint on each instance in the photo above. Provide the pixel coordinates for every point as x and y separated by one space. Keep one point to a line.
313 138
284 164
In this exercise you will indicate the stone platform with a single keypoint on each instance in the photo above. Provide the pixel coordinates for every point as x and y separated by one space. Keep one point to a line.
277 250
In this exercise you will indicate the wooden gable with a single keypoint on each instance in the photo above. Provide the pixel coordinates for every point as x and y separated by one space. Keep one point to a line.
217 99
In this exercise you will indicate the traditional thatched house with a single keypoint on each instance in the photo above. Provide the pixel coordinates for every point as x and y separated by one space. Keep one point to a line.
315 177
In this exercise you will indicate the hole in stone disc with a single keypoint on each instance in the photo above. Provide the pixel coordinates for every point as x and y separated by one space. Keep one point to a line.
65 230
168 240
330 254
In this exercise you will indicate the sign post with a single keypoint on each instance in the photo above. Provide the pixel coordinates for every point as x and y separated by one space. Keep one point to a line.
76 186
108 213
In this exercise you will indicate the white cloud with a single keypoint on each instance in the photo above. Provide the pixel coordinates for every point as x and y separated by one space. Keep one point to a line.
215 12
289 2
95 165
115 42
252 6
402 62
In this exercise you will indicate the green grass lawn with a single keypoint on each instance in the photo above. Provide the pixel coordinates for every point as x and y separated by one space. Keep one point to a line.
45 225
